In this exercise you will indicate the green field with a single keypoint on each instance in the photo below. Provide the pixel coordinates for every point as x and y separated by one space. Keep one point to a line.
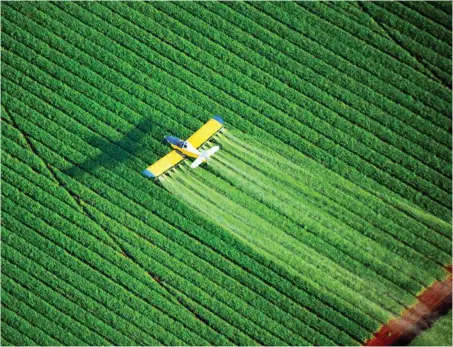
438 335
323 216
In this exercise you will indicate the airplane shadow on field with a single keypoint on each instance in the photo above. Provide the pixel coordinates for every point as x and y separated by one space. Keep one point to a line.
119 152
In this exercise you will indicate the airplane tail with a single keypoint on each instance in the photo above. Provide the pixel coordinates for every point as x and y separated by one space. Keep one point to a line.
204 156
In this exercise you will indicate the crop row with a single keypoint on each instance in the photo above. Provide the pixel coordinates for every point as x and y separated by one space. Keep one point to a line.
146 320
432 13
284 239
368 215
358 23
304 217
428 58
197 267
431 28
299 41
105 253
201 55
352 46
191 23
13 161
59 334
124 98
247 54
279 243
66 213
283 302
115 260
431 42
343 192
22 326
384 241
13 139
156 256
444 6
68 319
399 245
244 51
41 275
166 262
13 337
389 67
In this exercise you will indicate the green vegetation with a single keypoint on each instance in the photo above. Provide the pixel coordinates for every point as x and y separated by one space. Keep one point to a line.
324 215
438 335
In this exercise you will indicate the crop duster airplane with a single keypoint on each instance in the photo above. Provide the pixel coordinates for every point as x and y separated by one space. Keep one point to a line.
189 148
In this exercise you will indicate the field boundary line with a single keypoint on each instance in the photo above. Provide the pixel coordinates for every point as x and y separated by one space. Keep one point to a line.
58 181
430 302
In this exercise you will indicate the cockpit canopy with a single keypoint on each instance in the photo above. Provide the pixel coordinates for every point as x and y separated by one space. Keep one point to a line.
175 141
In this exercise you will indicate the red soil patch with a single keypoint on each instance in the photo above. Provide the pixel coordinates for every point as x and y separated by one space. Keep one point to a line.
430 302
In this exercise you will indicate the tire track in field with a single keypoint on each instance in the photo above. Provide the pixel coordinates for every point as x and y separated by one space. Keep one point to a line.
72 196
392 36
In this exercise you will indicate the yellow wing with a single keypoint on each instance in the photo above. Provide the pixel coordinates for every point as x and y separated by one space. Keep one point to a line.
206 131
163 164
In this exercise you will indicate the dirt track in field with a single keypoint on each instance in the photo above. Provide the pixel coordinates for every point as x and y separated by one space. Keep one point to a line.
431 304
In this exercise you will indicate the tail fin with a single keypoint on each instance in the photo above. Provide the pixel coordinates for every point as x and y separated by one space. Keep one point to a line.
204 156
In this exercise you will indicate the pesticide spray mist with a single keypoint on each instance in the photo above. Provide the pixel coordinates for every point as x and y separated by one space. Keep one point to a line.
253 193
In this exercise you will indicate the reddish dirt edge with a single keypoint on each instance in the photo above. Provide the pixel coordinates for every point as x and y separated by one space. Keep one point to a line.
430 302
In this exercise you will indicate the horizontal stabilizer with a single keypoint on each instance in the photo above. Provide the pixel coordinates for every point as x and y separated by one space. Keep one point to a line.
210 151
204 156
197 162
